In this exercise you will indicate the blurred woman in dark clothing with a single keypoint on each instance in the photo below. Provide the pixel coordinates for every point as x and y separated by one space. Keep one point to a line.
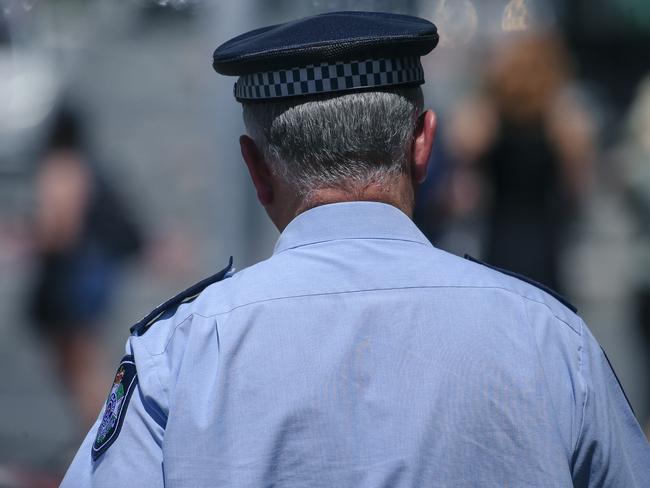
533 145
83 233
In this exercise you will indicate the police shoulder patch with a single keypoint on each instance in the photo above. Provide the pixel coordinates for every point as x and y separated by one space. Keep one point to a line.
521 277
167 308
126 379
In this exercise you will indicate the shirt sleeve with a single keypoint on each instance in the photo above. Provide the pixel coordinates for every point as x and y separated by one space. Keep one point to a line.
134 459
611 450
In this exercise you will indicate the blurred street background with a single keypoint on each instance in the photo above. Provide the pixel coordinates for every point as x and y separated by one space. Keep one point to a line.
121 181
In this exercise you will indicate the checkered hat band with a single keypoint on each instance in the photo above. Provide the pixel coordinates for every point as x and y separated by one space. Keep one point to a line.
329 77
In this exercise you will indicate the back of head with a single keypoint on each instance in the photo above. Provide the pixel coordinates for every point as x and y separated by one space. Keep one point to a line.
342 141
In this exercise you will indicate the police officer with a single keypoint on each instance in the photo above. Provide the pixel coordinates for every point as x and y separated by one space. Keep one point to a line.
357 354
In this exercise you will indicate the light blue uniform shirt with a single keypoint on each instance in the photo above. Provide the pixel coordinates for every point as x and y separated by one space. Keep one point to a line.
359 355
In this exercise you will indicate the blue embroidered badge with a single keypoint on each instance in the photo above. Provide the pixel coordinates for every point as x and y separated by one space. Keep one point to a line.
118 399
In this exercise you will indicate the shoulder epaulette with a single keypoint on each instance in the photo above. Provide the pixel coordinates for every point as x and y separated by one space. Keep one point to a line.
184 297
544 288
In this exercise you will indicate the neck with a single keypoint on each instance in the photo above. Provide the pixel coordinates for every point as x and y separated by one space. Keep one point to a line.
398 192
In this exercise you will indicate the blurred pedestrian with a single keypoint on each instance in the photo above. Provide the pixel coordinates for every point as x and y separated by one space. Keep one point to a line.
533 143
83 232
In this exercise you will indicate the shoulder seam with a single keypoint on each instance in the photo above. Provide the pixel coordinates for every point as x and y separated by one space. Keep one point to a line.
540 360
525 279
171 335
586 393
179 299
152 360
556 316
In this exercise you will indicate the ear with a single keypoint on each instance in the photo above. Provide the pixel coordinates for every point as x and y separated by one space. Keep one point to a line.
422 143
258 170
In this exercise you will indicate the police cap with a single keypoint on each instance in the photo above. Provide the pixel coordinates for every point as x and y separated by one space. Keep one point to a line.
332 52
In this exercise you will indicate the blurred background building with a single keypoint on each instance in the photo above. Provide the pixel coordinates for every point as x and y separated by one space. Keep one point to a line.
542 159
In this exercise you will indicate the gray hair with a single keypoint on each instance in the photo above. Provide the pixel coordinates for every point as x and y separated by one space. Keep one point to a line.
345 141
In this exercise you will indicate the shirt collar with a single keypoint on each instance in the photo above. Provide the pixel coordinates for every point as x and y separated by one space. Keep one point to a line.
349 220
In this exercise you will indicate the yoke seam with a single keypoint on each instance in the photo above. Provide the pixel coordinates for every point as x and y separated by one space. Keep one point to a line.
290 248
345 292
